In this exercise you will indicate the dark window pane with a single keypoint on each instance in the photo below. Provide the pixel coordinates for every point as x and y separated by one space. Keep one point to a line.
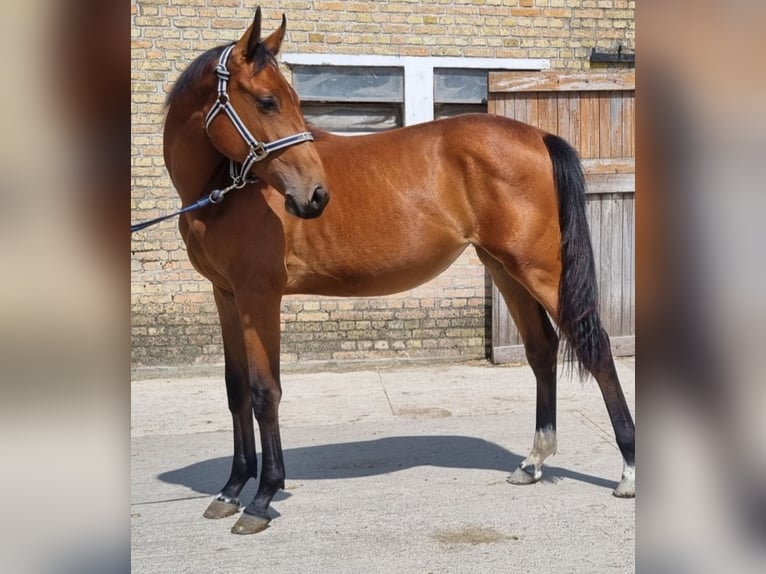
460 86
341 83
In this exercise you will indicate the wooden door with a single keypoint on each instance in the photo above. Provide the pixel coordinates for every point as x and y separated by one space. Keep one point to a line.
595 112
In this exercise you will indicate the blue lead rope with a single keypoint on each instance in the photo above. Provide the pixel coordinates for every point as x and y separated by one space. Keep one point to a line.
207 200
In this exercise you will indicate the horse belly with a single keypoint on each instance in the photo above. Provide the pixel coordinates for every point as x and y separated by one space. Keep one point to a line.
361 274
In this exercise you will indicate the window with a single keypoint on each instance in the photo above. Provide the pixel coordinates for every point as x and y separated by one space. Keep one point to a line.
354 94
351 99
458 91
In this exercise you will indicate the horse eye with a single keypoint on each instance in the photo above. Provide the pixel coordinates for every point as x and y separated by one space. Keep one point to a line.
267 104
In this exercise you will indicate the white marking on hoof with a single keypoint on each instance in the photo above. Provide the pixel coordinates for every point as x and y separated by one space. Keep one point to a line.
525 475
543 446
229 500
627 486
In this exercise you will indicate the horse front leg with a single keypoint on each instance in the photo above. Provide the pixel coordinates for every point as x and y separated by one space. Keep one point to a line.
259 314
244 462
266 397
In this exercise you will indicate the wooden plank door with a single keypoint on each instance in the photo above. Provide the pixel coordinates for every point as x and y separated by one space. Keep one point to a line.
595 112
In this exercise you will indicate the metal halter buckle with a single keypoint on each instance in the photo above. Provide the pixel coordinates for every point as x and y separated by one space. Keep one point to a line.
259 151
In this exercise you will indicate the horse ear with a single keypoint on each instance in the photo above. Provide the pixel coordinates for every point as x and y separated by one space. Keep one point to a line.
274 41
252 36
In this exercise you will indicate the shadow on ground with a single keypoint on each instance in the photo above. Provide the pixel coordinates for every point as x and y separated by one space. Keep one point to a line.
375 457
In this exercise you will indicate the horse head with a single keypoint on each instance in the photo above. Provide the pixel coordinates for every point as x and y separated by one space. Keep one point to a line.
265 130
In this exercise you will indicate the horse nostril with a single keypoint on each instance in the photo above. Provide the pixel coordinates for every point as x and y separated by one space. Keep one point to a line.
291 205
319 197
309 209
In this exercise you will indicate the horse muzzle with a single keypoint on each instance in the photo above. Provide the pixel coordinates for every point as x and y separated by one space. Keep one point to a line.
309 209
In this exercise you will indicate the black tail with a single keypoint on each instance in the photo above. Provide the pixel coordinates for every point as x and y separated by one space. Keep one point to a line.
579 322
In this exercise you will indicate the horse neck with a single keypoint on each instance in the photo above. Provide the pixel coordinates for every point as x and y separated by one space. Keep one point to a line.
194 164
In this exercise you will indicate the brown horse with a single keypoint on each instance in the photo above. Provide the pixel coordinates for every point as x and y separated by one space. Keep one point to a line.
404 204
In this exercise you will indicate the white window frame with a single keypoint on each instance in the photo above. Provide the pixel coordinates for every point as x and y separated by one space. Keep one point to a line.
418 73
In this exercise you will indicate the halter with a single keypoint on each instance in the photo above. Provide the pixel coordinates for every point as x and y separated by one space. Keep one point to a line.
258 150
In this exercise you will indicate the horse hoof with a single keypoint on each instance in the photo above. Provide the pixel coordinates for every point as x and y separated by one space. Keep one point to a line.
221 508
523 476
626 488
250 524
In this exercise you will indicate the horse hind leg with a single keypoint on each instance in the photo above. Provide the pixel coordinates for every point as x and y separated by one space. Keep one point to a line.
588 346
595 356
244 462
605 373
541 347
576 309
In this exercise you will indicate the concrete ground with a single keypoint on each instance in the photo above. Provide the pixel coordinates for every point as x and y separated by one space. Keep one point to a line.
388 470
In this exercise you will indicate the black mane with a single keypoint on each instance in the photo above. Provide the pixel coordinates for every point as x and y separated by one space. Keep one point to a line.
193 72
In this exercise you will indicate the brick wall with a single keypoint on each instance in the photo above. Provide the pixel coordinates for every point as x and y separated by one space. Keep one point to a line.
174 317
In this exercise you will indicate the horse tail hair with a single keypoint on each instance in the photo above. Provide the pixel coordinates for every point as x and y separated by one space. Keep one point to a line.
585 341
